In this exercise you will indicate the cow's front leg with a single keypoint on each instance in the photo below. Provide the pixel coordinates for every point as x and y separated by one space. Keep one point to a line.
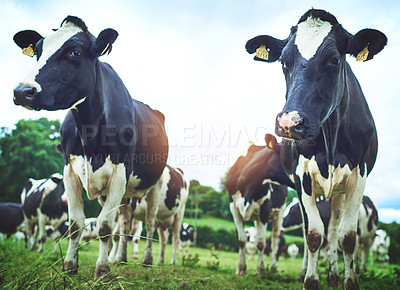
115 243
151 212
336 216
73 189
124 221
315 236
260 242
117 186
348 226
238 220
42 230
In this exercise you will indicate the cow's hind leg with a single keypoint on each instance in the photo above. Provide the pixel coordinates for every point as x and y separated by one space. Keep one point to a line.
276 230
241 270
163 236
176 227
151 212
73 189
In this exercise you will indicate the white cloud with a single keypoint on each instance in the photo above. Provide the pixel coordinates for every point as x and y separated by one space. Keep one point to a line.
389 215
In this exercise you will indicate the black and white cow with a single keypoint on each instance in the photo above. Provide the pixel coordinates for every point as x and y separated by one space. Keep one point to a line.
380 247
282 248
170 202
113 145
330 141
366 227
11 217
44 203
255 196
186 238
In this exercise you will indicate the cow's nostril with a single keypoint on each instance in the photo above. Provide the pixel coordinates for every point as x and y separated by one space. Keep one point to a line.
29 92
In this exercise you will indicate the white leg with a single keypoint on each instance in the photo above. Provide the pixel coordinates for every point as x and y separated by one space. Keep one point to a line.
137 231
124 220
276 230
241 270
106 218
315 236
176 227
115 242
163 236
260 242
348 226
73 189
42 230
336 215
151 212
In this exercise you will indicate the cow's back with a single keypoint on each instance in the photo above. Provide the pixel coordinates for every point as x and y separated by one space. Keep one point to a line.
11 216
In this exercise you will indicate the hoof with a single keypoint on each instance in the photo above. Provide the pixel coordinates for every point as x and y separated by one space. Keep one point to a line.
350 283
301 278
147 261
311 283
70 268
135 256
102 271
333 280
241 270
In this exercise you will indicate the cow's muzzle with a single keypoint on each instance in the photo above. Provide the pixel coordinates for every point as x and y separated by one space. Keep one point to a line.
290 125
24 96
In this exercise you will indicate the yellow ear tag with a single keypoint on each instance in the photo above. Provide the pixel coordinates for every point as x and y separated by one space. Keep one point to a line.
262 52
270 145
104 50
363 55
28 51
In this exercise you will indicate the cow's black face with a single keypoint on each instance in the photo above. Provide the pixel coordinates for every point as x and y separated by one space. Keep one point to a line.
315 68
314 71
65 73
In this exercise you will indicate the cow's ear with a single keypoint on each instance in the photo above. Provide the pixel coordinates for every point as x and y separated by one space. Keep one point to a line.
267 48
366 43
27 40
270 140
104 42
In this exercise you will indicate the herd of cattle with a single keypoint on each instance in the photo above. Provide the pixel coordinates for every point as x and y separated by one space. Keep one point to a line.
116 149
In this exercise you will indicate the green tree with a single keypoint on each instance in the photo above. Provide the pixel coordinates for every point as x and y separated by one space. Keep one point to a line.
28 150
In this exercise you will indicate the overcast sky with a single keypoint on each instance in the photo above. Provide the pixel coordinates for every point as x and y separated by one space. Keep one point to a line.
187 59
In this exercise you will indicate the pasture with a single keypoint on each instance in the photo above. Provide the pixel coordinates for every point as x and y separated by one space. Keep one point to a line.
202 269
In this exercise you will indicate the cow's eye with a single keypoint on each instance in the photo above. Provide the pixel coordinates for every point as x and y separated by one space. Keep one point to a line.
334 61
75 53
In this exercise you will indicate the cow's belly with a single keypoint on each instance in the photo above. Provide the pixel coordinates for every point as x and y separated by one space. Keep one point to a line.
249 211
339 178
97 182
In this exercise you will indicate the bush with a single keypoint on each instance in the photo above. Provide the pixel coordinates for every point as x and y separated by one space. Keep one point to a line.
219 239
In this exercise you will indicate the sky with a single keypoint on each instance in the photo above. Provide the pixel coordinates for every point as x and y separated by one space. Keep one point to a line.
187 59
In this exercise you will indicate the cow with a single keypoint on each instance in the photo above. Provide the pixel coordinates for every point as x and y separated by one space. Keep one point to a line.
91 230
366 227
11 217
330 140
44 203
293 251
170 203
282 249
257 191
380 246
251 246
113 145
186 238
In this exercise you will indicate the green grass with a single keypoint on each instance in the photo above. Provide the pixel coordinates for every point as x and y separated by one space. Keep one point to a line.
22 269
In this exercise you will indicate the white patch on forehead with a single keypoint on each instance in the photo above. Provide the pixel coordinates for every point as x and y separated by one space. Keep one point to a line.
51 44
310 35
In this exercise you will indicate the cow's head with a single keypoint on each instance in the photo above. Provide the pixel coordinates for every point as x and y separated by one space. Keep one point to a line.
314 65
65 73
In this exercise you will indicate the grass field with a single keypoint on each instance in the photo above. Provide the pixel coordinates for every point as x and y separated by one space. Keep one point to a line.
22 269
